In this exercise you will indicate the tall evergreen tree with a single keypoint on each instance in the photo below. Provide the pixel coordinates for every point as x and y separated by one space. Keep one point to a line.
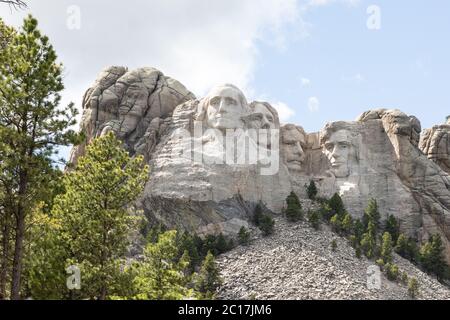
96 223
208 279
337 205
371 214
311 190
393 227
294 210
386 248
432 257
32 125
161 276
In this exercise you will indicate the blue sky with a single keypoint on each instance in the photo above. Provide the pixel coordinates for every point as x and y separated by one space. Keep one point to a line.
404 65
315 60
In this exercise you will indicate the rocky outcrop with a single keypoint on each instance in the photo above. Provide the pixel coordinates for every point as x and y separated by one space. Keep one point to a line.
213 158
435 143
130 103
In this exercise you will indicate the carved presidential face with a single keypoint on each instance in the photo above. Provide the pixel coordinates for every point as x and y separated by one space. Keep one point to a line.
225 108
292 140
338 149
266 120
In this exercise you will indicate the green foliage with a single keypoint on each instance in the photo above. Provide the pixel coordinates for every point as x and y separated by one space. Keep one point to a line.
368 241
407 248
404 277
294 211
386 247
432 257
325 212
217 244
380 262
161 275
413 288
358 230
371 214
337 205
187 244
267 225
263 221
347 224
243 236
32 127
336 223
44 263
358 252
314 219
208 279
311 190
392 271
257 214
96 224
333 245
393 227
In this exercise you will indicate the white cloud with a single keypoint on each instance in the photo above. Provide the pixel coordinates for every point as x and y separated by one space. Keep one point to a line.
201 43
357 78
318 3
284 111
305 82
313 104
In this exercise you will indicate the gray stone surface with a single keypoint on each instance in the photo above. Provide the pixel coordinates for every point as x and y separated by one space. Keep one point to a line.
297 263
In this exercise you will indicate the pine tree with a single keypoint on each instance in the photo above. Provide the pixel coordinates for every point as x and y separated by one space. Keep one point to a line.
267 225
347 224
311 190
294 211
386 248
432 257
208 279
333 245
32 126
257 214
392 271
413 288
221 244
162 276
93 208
243 236
314 219
402 246
371 214
358 230
337 205
368 241
393 227
336 223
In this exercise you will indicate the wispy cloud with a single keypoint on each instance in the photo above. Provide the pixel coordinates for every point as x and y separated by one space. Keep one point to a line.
313 104
284 111
305 82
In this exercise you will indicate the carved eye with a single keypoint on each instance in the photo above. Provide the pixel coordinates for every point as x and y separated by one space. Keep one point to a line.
329 147
214 101
230 101
270 118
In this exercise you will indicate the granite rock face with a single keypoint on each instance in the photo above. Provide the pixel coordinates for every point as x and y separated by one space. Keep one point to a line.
435 143
199 183
132 103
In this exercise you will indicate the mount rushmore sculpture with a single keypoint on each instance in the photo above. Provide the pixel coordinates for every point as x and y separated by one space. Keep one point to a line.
214 158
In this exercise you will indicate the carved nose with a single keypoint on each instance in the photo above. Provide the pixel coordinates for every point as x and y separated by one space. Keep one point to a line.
266 125
222 105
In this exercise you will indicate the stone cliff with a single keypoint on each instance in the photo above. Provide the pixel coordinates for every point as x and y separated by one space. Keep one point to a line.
214 158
